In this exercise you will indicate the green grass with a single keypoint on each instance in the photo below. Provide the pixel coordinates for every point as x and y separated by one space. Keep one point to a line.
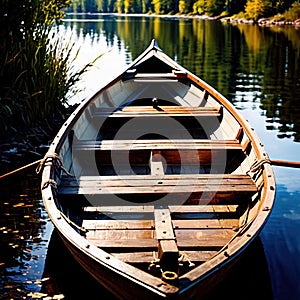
36 74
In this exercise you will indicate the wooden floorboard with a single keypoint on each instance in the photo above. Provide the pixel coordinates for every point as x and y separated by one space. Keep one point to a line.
173 209
137 239
143 257
149 224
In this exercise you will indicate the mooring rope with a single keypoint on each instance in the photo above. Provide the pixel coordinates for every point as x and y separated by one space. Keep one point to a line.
257 165
56 159
21 168
57 163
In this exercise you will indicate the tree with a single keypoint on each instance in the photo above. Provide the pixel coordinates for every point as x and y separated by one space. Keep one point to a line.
126 6
185 6
211 7
199 7
256 9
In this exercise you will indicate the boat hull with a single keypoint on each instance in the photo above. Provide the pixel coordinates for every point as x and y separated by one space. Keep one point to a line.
124 288
157 184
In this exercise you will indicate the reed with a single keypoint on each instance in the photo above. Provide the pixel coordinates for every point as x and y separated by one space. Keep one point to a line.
36 73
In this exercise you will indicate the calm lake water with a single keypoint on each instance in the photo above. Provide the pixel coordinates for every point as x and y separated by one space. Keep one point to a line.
257 68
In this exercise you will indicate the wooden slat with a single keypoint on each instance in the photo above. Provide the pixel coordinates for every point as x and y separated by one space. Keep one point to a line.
120 209
149 224
174 152
142 180
206 223
148 257
137 239
148 111
147 184
173 208
175 144
172 158
117 243
117 224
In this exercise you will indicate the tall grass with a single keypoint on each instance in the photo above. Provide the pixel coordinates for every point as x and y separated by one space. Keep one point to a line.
36 73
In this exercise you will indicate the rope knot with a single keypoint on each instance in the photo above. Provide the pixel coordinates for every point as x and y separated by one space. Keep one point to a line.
57 162
51 182
257 165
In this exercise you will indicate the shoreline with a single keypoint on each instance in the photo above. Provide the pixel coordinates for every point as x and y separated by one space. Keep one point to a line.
231 20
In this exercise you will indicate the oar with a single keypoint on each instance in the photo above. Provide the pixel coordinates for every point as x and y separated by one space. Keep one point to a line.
21 168
284 163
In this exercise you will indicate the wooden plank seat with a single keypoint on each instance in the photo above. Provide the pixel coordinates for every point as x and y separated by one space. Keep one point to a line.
157 144
162 120
193 188
174 153
148 111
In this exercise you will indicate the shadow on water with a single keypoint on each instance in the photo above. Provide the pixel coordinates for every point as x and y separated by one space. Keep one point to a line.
248 278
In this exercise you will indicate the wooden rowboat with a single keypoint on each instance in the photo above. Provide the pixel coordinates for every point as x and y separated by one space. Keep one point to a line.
157 184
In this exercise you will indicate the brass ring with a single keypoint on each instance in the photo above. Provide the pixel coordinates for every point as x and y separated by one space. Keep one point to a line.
169 276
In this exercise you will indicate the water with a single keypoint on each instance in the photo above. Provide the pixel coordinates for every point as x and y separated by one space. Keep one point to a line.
257 68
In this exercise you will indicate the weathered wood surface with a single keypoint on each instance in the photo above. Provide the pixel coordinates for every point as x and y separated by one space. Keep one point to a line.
174 152
174 144
168 252
148 184
181 209
136 239
147 257
207 233
156 163
150 224
183 217
148 111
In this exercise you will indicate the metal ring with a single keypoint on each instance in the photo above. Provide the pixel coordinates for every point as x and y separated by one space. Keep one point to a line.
169 276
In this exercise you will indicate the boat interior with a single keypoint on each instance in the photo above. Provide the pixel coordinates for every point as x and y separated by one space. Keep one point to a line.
160 172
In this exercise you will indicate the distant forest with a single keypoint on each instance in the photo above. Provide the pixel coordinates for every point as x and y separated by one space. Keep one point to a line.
252 9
